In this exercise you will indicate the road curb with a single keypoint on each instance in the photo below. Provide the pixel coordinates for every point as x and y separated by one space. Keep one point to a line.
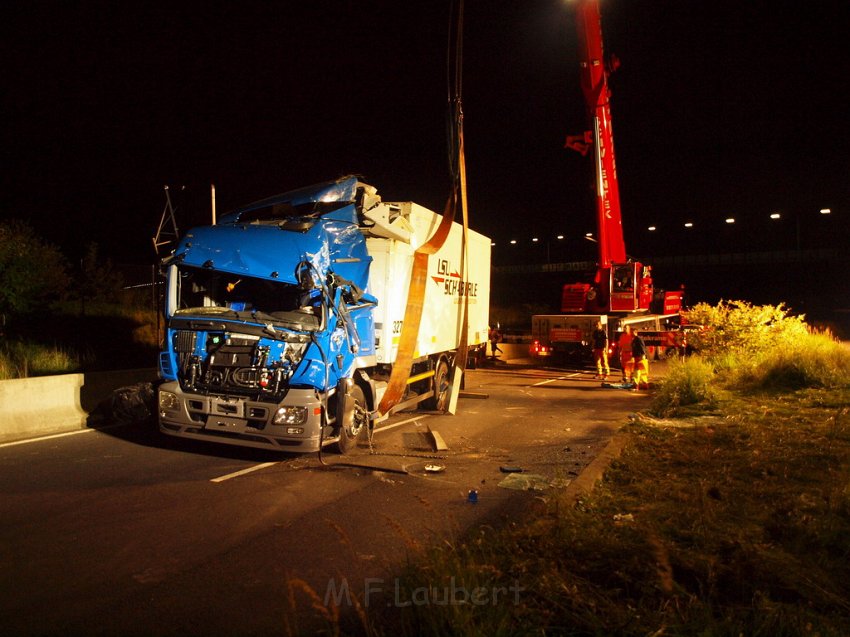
592 473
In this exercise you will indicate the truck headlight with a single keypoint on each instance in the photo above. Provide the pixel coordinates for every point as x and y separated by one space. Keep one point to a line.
168 401
296 415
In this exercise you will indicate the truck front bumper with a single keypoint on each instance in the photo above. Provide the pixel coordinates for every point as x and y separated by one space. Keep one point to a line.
293 425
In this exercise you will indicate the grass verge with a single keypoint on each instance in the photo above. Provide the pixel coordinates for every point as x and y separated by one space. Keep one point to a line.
19 359
66 340
728 513
730 522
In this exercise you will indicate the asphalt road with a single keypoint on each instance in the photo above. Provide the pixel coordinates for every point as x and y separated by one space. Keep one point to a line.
123 531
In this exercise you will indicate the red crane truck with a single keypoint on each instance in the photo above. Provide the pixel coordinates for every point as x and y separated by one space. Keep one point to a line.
621 292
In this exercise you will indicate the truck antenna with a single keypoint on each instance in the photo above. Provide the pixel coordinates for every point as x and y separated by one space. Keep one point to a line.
166 232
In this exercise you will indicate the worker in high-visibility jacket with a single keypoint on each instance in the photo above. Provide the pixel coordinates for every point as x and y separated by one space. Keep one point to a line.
599 338
624 345
641 362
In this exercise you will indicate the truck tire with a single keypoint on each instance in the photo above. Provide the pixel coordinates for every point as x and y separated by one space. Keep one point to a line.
355 429
441 384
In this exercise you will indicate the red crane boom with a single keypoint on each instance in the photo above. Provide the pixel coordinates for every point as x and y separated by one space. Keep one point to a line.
594 84
620 285
621 292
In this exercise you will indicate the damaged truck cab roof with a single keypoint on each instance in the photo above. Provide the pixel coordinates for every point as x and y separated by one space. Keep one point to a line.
319 223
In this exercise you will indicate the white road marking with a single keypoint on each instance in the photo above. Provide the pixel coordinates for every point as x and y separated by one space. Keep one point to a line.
236 474
60 435
29 440
552 380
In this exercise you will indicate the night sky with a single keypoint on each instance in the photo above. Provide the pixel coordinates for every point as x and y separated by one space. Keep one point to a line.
720 109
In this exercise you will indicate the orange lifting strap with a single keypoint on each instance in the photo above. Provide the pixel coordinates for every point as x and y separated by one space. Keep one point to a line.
418 275
416 295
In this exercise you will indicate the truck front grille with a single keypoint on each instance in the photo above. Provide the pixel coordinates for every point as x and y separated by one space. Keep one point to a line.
184 342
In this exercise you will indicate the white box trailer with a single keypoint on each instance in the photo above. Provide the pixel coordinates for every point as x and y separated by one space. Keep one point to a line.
446 287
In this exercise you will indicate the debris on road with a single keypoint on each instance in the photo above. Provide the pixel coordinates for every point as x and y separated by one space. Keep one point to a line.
525 482
132 404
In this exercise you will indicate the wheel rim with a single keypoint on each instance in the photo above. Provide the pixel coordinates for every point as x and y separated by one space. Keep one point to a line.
441 385
358 420
358 415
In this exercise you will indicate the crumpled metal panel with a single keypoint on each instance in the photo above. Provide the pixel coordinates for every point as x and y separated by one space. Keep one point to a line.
343 189
269 252
313 371
332 242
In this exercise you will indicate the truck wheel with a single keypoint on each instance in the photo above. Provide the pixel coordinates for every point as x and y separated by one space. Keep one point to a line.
355 427
441 385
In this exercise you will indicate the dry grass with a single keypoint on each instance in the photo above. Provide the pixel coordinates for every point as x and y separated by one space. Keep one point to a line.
728 513
723 524
107 336
22 359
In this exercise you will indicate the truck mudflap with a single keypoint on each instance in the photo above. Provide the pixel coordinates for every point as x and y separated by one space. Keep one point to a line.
293 426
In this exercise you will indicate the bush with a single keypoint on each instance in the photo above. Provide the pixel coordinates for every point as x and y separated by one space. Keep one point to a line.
740 328
688 382
814 359
32 272
755 348
97 278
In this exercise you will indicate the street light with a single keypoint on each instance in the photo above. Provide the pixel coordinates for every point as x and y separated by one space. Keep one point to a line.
825 211
559 237
548 242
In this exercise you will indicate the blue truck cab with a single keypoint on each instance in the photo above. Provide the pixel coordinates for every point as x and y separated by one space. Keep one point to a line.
271 324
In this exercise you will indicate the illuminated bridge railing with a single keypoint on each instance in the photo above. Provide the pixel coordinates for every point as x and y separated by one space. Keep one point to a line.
818 255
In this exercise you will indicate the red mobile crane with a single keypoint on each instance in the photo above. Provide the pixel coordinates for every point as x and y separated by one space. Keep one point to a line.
622 288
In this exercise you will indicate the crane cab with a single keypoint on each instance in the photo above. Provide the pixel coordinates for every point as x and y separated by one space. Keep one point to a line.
622 287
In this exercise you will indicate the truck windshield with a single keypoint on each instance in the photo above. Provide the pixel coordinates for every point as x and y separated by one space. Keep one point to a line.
285 210
212 293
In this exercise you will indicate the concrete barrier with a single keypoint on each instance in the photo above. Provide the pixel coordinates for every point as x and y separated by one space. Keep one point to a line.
32 407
